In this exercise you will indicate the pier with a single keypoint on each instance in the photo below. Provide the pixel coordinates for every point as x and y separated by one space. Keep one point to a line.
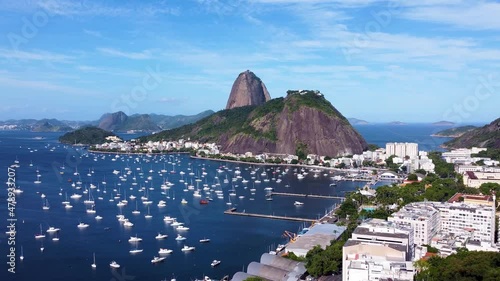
307 195
233 212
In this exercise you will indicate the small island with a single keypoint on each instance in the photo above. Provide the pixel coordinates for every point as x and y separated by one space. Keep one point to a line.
454 132
443 123
87 136
397 123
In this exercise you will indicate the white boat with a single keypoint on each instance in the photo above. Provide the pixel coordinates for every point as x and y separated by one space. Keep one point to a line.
183 201
215 263
76 196
136 251
187 248
53 229
181 227
68 206
94 265
176 223
157 259
180 237
83 225
21 257
297 203
135 239
161 236
114 264
164 251
204 240
40 235
168 219
98 217
128 224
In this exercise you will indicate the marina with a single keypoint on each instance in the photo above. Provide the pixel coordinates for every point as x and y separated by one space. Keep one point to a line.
98 202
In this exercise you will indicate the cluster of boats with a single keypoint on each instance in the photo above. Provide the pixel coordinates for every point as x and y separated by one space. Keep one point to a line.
139 184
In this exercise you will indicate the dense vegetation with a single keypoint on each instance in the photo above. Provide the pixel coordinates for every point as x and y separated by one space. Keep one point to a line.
454 132
208 129
462 266
86 135
312 99
493 153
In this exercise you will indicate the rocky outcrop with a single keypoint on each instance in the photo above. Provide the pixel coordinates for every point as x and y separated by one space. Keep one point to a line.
248 89
318 132
112 121
487 136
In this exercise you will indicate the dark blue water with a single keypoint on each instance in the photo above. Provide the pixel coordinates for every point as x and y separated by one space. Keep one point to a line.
235 241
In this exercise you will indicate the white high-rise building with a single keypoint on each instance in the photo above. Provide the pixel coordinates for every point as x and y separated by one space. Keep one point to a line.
422 217
378 250
458 218
402 149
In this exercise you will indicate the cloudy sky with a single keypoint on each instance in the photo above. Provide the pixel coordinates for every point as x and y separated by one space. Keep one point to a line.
376 60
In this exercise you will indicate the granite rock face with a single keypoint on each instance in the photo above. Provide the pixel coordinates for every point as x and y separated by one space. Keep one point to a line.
112 121
248 89
321 133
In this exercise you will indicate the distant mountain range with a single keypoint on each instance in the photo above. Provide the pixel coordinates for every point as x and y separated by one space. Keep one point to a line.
118 121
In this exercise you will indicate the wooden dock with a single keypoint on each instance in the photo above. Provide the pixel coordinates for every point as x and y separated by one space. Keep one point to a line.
307 195
229 212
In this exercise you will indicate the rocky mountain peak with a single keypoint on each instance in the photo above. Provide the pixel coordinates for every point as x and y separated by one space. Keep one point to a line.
247 89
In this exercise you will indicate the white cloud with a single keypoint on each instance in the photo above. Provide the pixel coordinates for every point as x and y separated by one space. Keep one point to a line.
34 56
93 33
475 15
142 55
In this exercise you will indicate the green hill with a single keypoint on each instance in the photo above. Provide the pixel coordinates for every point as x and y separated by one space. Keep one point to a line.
303 120
487 136
86 136
454 132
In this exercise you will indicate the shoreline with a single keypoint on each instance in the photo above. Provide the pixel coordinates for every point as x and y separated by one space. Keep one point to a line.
286 165
138 153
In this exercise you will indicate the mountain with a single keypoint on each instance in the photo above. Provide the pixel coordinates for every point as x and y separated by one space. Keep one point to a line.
397 123
119 121
443 123
303 122
112 121
454 132
355 121
166 122
487 136
86 135
50 125
247 90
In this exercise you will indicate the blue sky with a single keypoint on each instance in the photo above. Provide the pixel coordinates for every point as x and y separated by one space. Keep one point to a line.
382 61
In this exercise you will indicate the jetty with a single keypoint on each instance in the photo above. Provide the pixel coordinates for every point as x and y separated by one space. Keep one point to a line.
307 195
244 214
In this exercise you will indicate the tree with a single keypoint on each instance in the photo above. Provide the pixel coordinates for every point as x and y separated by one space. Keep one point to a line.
373 147
341 165
412 177
489 188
